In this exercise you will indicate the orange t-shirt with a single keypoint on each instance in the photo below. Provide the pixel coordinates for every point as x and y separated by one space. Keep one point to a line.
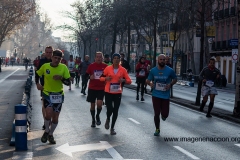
114 86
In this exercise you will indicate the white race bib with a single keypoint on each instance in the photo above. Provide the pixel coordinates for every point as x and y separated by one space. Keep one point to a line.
55 98
142 73
97 74
115 87
160 86
209 83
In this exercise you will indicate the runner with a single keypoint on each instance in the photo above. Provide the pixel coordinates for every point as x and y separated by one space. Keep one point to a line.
77 73
141 70
125 64
114 75
71 66
83 68
107 60
96 87
161 78
46 59
54 73
148 68
208 76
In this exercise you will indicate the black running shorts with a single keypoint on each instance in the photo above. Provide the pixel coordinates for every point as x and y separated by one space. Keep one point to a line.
95 94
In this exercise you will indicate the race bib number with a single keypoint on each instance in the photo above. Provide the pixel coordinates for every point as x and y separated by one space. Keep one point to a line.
97 74
115 87
209 83
160 86
55 98
142 73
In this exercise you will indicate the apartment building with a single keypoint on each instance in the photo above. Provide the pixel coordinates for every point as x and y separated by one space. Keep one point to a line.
226 38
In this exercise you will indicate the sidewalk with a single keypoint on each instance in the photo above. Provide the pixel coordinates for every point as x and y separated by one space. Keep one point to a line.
191 104
12 88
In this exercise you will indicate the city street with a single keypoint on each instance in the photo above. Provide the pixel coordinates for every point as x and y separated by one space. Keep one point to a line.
186 134
134 140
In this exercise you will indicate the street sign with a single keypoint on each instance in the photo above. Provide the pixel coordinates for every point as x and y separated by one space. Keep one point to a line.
233 42
68 150
234 55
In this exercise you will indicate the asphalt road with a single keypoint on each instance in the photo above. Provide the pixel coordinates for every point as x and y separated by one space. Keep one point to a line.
135 127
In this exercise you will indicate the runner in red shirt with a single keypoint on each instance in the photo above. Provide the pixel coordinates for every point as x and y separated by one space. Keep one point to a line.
96 87
149 64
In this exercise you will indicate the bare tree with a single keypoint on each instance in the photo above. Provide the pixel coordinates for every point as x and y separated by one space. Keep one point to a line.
14 15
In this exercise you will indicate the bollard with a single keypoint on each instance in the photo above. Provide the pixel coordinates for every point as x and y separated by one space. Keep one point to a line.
21 127
191 84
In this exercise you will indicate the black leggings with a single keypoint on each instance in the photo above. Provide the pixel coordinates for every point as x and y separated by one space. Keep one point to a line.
77 77
84 82
141 82
112 110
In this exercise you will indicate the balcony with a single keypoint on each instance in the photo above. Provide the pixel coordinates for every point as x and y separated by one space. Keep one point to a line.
220 14
213 46
215 15
226 12
232 11
224 45
218 46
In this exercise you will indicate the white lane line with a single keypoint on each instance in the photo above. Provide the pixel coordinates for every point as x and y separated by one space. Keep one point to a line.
186 152
8 76
237 145
134 121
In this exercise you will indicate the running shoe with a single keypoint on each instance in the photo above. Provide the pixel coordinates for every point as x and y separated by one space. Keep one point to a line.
142 99
137 98
93 124
44 137
163 118
157 132
107 124
43 127
113 132
51 139
209 115
98 122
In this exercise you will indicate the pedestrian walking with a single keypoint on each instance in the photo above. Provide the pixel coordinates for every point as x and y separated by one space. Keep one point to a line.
161 78
83 68
209 76
114 75
96 87
141 71
54 75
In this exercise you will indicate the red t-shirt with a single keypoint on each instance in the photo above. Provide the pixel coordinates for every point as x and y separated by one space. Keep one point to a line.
142 69
148 62
97 70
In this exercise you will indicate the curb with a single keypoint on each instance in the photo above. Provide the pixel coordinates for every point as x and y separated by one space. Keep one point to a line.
190 104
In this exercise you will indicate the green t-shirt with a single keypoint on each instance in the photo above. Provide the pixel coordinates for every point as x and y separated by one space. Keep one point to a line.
51 85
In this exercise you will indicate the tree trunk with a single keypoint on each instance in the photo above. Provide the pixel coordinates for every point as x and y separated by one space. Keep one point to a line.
155 41
114 37
129 40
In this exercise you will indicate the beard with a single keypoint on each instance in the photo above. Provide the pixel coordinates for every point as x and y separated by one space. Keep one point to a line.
161 64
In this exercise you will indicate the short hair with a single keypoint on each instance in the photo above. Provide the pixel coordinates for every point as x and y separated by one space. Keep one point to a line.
212 59
71 56
58 53
49 47
122 54
98 53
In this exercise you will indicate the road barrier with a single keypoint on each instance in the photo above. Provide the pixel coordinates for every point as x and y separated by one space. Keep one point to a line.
23 115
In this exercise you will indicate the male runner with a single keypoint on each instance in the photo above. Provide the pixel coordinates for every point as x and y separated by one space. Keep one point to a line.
71 68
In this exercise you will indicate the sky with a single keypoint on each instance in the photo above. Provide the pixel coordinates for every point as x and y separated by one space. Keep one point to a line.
54 8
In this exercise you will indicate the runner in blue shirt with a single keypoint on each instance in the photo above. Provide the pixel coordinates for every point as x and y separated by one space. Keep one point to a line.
161 78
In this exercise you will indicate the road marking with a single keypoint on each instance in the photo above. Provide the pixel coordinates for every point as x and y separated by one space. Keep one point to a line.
186 152
131 119
22 155
237 145
68 150
8 76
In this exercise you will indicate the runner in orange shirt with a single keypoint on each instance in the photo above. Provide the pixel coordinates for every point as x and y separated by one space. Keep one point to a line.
114 75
